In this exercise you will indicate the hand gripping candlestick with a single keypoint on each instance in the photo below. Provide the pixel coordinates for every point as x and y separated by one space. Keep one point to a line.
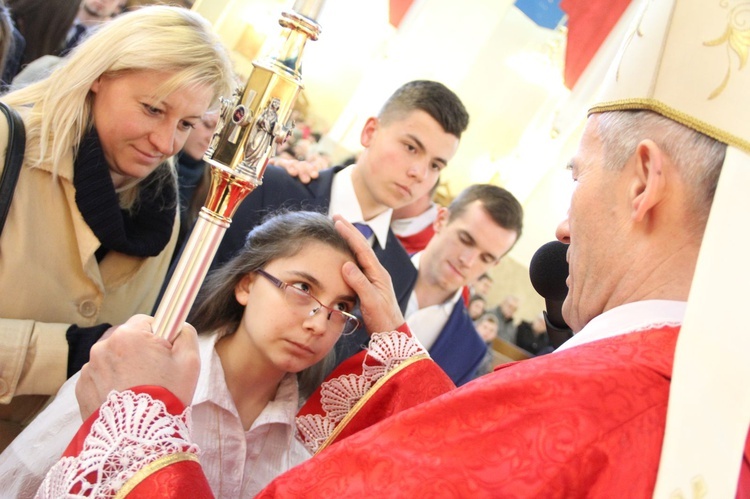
252 122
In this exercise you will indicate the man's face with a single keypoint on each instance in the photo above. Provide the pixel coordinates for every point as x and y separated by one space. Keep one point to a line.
508 307
597 255
463 249
482 286
402 160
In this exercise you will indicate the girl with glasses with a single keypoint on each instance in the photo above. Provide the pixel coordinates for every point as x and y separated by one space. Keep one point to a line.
267 322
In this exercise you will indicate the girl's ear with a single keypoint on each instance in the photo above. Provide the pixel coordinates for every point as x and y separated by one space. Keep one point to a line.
242 289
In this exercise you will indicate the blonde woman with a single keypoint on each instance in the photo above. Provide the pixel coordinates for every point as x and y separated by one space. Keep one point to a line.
92 222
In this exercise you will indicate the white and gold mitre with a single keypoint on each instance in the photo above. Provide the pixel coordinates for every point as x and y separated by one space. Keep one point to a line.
687 60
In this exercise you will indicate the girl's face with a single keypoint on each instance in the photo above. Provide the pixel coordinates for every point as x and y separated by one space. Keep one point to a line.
200 137
280 334
138 132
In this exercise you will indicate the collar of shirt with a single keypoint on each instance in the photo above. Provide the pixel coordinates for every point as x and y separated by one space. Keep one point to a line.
629 318
410 226
427 323
212 387
344 202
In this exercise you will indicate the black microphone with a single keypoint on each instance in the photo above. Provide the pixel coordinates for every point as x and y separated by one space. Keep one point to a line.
548 271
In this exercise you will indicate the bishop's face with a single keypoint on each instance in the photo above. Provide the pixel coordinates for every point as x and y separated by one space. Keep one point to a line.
597 253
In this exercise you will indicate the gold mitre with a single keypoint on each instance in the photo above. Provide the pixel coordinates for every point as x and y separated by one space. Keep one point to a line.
686 60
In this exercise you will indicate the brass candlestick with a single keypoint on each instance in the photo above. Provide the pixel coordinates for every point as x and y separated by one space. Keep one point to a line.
251 123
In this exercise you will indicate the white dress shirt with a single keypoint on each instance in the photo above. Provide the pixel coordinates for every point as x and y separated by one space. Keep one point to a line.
344 202
427 323
629 318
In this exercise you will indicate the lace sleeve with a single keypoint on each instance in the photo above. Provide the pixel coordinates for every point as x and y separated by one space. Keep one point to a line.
340 393
131 432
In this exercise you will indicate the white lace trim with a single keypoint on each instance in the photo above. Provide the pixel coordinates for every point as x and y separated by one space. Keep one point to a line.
132 430
386 351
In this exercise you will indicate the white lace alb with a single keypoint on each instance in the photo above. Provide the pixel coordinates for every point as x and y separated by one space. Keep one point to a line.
132 430
339 395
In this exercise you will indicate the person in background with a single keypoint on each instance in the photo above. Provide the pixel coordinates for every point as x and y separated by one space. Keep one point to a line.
43 24
94 210
471 236
505 313
413 224
12 46
90 16
193 174
476 308
483 285
486 326
533 337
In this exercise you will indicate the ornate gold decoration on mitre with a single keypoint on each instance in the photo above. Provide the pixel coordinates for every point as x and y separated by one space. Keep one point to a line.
686 60
737 39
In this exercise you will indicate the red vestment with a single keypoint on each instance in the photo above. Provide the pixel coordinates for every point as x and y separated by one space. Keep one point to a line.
415 243
584 422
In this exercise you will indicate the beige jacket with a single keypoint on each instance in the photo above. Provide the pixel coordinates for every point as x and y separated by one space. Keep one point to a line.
50 279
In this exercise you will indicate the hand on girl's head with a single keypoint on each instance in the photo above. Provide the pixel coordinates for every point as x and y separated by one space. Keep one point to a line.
378 303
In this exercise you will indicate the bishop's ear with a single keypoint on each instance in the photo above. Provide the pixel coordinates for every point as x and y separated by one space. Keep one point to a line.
649 182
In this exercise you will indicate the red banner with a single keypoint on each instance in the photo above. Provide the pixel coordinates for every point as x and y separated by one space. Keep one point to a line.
397 10
589 23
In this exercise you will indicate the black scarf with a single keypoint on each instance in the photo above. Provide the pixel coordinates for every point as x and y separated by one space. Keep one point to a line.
143 231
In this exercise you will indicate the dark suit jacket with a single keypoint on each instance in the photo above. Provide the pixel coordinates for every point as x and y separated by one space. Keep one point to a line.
282 191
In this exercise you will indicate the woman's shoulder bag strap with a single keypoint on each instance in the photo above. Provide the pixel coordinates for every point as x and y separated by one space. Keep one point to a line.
13 160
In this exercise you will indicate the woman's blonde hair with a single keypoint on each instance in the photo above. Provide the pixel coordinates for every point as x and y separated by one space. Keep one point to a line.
154 38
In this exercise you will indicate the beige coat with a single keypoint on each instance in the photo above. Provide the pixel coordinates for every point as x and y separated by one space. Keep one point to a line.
50 279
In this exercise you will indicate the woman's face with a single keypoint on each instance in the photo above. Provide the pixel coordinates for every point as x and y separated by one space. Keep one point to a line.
200 137
138 131
279 335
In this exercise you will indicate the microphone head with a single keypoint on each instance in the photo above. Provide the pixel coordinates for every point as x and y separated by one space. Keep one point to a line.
549 269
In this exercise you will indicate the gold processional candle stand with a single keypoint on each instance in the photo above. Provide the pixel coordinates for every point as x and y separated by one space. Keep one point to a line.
251 123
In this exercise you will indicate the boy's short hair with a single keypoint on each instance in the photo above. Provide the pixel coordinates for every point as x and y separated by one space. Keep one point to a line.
432 97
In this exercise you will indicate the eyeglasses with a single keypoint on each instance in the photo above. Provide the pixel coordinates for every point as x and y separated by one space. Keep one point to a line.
338 320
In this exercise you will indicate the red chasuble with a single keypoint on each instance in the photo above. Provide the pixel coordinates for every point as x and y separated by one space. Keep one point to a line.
584 422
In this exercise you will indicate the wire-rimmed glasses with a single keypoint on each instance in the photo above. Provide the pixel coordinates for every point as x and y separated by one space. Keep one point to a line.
337 319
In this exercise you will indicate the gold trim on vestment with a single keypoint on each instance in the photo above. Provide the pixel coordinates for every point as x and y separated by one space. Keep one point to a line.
674 114
152 468
361 402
